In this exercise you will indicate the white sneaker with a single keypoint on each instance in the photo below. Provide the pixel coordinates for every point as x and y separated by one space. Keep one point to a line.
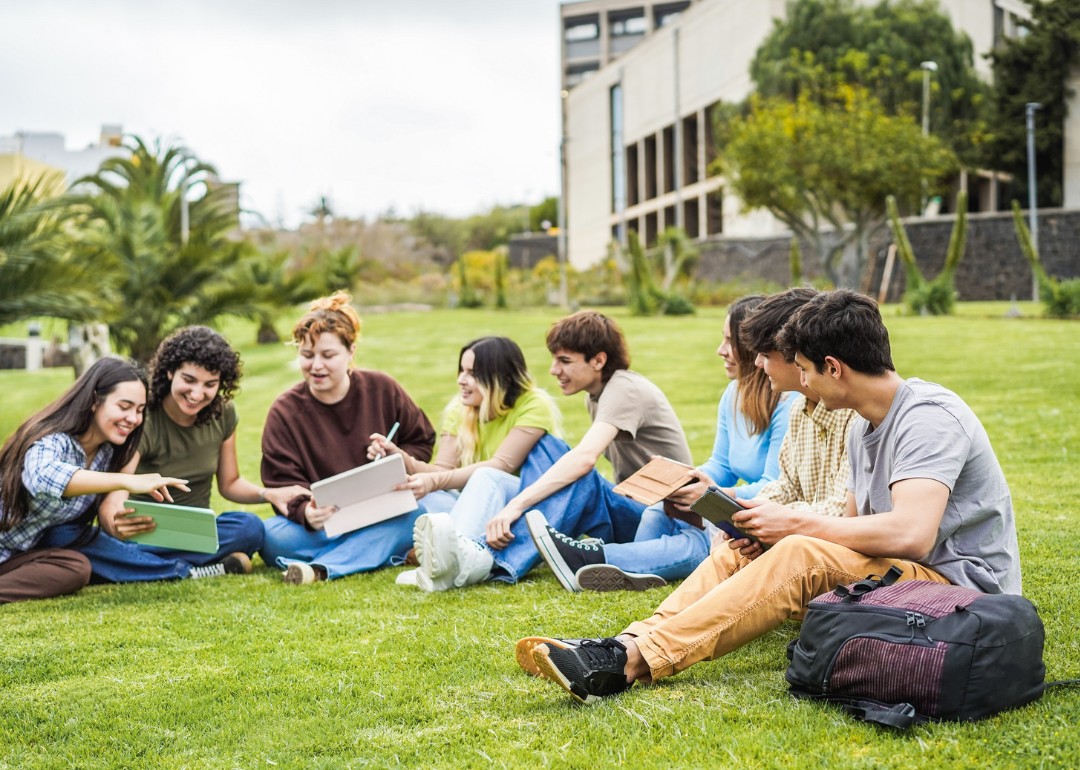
407 577
447 559
299 574
209 570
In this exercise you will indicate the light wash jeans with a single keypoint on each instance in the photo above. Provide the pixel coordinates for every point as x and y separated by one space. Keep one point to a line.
121 561
662 546
486 493
359 551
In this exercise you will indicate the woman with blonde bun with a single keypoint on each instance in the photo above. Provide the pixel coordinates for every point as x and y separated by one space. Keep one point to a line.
324 426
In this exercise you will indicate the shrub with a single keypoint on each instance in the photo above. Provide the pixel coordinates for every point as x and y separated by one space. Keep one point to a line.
1062 298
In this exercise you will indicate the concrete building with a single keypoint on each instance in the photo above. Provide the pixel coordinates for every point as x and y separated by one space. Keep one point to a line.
29 154
637 127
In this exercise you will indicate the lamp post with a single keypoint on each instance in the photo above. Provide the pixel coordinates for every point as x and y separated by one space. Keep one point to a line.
563 299
1033 193
927 68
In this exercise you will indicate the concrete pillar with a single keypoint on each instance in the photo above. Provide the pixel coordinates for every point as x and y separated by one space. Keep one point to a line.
1072 144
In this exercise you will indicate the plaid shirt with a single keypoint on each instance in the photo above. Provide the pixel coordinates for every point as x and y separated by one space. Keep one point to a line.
813 461
49 465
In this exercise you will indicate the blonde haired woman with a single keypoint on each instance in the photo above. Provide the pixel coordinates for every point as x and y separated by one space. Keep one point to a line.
489 429
322 427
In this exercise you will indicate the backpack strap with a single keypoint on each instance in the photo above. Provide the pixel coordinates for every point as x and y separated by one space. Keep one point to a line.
1061 683
899 715
868 584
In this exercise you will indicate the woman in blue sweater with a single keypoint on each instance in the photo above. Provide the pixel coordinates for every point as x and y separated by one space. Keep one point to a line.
671 540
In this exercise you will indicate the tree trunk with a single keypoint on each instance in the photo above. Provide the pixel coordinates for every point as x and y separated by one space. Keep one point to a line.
87 343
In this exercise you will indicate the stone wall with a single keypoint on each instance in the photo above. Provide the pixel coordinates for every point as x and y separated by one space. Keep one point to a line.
993 267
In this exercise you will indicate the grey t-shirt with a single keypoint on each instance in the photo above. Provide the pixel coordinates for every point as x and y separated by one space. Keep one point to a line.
647 424
930 433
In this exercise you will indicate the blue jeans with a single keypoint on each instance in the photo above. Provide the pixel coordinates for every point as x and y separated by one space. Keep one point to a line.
486 493
121 561
662 546
588 506
358 551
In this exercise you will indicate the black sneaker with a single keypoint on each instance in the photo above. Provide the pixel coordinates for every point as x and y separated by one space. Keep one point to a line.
525 647
563 554
589 671
608 577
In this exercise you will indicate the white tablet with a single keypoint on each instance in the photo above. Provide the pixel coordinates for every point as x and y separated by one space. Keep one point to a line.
365 495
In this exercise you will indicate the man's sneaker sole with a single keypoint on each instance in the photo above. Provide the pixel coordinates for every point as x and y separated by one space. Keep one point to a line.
237 564
538 530
548 670
524 653
608 577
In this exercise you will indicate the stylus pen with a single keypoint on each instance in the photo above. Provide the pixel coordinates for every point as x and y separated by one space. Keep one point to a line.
390 436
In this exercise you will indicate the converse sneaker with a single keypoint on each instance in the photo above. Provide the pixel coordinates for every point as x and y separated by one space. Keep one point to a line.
301 574
608 577
563 554
447 558
589 671
207 570
525 647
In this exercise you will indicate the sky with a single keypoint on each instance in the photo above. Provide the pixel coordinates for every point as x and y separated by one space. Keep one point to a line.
435 105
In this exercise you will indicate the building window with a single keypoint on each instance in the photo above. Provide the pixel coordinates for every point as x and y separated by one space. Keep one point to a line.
650 167
650 230
691 223
582 36
669 217
629 25
690 149
669 159
618 159
626 29
633 193
714 212
667 13
575 73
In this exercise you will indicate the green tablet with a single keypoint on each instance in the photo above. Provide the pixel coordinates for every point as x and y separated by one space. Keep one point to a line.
178 527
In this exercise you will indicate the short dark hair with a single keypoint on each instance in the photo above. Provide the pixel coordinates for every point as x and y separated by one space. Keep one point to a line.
843 324
758 331
202 346
588 333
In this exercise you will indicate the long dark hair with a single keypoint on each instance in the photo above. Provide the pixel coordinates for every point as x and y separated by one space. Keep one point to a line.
72 414
202 346
757 400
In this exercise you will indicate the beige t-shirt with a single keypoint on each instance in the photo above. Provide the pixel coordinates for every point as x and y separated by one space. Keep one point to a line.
647 424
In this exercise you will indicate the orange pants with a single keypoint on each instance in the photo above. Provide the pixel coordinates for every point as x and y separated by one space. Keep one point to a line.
728 600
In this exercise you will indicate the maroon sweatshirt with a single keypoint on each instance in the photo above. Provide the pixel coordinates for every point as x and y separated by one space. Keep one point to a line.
305 440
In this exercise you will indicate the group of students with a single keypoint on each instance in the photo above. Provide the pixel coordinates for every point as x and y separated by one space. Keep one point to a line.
844 468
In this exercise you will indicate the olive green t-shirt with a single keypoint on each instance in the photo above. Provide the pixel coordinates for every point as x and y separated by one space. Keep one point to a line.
533 409
184 453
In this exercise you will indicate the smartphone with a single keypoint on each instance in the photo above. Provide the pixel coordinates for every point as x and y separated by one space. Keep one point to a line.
718 507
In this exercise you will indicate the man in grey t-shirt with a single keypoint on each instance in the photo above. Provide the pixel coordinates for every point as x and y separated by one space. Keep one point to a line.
926 495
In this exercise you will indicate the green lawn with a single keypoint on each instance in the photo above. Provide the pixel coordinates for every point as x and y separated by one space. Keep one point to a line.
250 673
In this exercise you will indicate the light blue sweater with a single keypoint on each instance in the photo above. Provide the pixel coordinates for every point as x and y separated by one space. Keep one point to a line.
738 455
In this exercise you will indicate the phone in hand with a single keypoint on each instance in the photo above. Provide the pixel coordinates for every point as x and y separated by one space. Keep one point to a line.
719 507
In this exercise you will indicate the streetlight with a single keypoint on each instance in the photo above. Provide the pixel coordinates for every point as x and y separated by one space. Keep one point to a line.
1033 197
927 68
563 299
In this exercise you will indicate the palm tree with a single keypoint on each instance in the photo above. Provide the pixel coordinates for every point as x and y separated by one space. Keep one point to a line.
38 275
133 226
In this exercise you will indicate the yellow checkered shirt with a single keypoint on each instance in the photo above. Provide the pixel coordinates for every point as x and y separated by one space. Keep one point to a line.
813 461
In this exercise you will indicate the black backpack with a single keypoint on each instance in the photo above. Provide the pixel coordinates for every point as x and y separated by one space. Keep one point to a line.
917 651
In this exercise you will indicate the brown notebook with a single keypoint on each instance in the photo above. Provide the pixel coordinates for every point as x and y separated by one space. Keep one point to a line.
657 479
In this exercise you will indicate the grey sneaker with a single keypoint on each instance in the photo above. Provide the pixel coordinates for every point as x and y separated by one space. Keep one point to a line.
608 577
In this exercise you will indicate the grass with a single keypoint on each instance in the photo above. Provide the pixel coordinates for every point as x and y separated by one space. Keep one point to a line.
250 673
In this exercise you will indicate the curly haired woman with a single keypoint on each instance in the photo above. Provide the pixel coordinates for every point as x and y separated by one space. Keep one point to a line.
190 432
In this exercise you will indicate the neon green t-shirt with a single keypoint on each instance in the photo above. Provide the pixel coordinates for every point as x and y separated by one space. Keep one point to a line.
532 410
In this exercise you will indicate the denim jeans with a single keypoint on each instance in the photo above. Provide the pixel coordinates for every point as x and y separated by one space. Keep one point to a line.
662 546
588 506
358 551
486 493
121 561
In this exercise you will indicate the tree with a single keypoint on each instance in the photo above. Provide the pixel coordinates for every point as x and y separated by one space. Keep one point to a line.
936 297
1034 68
545 211
277 287
132 230
38 275
822 44
824 170
795 262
